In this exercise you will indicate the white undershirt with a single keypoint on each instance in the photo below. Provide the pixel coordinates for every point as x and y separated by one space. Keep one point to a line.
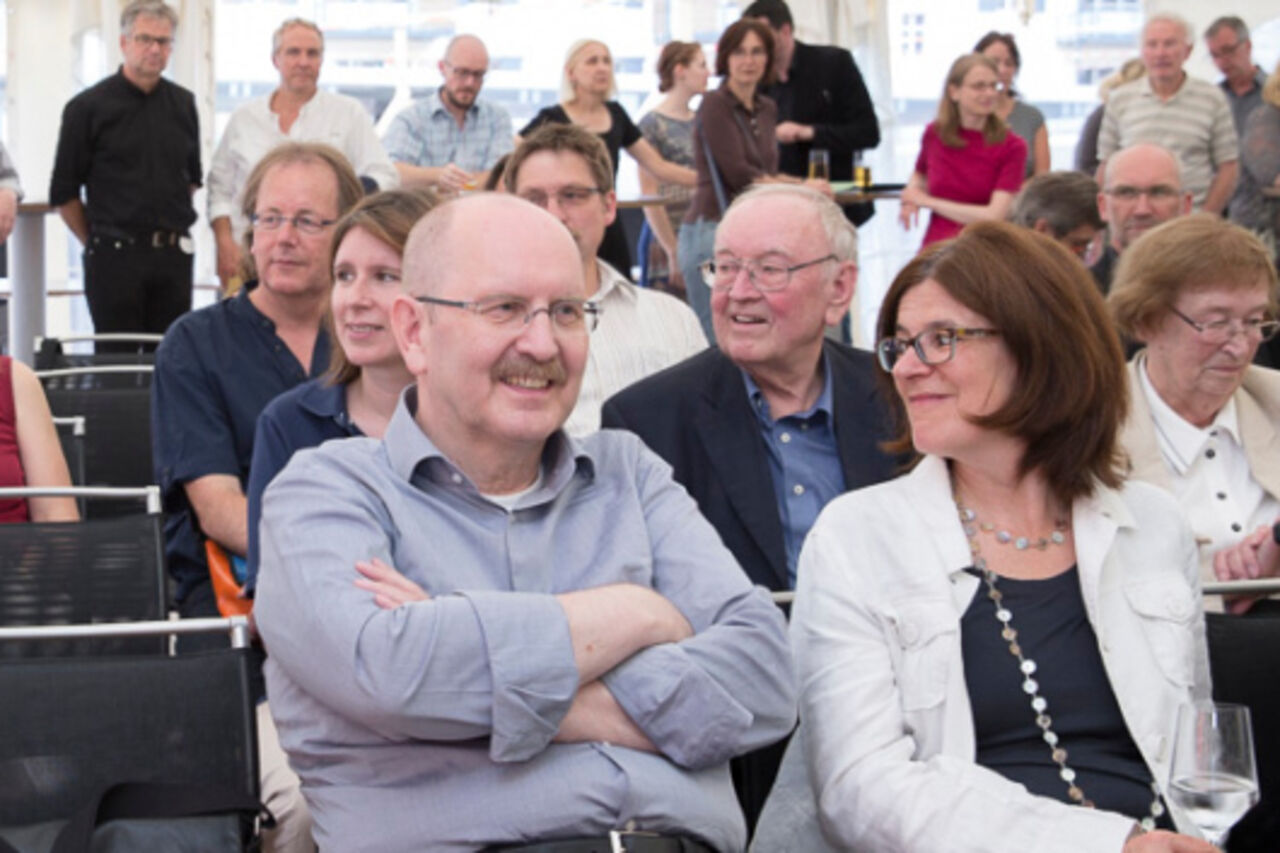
509 501
1211 476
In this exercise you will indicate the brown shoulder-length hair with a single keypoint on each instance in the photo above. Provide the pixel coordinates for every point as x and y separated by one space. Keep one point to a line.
947 123
387 217
1184 254
1070 395
732 37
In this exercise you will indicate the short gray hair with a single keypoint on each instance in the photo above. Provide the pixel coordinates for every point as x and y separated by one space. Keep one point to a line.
1234 22
149 8
1169 18
1064 200
278 36
842 237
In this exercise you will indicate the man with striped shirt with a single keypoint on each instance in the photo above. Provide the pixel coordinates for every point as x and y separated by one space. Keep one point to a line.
1168 107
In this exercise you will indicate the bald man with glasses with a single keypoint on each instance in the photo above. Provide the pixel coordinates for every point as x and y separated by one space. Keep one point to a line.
452 138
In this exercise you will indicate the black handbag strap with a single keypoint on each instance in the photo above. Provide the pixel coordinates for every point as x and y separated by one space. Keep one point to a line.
716 183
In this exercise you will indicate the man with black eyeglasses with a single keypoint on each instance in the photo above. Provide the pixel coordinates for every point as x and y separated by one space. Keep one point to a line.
486 634
1141 188
132 142
217 369
452 138
566 170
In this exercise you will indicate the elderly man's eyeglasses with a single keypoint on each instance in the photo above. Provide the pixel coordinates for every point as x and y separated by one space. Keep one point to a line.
1160 192
148 41
932 346
307 223
767 276
509 312
565 196
1222 330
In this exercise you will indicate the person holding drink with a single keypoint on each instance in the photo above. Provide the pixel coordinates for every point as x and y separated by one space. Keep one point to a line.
992 648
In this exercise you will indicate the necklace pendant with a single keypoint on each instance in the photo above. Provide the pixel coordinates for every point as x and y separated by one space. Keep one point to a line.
1021 543
1004 537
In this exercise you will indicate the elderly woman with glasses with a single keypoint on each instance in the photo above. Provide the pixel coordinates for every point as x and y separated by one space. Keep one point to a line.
991 649
1200 294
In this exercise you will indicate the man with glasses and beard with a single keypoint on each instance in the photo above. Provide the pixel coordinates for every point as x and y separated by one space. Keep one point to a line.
451 139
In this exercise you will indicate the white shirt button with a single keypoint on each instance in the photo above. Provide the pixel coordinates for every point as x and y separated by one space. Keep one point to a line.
797 490
457 478
785 438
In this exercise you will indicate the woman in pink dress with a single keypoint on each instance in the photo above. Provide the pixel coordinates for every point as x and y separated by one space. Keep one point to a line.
30 454
970 164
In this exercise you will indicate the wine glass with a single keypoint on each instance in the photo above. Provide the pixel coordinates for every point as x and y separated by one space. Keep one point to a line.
1213 776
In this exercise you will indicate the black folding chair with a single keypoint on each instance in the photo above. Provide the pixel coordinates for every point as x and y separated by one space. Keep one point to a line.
115 402
152 753
1244 659
71 436
95 350
95 571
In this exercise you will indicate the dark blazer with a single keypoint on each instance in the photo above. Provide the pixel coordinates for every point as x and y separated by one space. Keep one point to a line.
696 415
825 89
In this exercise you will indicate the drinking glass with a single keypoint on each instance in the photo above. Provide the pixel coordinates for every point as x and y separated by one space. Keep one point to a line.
820 164
861 172
1213 776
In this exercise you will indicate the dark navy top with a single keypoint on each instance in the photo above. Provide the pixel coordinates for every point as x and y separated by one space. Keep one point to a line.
1054 631
216 370
306 416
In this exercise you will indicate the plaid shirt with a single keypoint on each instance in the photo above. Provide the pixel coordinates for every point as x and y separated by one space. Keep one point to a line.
425 134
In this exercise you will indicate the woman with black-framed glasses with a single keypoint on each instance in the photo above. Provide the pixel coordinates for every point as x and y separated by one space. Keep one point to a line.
991 648
1201 295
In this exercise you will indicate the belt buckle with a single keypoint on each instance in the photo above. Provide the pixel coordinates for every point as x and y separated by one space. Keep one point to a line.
616 837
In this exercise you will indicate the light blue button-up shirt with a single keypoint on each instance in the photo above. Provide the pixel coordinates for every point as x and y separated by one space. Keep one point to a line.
429 727
426 134
804 463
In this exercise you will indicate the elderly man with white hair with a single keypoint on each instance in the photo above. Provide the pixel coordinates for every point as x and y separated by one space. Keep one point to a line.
1169 107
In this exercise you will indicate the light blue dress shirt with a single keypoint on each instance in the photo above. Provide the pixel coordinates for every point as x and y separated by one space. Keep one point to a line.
430 727
426 134
804 462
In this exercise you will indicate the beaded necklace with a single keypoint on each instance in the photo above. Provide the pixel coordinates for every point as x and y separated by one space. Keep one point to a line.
1039 705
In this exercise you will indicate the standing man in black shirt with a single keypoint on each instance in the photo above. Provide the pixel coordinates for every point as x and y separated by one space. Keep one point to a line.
133 142
822 102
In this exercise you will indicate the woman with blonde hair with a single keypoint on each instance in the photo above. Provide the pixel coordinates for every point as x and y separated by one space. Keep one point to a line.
970 166
587 89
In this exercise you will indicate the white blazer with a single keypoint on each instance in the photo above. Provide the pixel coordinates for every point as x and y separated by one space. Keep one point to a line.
886 726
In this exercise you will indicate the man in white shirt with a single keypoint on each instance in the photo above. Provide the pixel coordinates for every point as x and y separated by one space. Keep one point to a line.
567 170
297 111
451 139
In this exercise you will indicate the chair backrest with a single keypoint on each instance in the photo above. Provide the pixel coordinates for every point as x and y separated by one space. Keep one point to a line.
71 432
92 350
98 570
74 726
1244 660
115 403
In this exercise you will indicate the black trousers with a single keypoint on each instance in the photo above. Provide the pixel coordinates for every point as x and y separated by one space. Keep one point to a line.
132 287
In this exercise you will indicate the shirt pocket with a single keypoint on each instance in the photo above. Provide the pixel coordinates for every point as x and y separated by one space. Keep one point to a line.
1167 609
927 636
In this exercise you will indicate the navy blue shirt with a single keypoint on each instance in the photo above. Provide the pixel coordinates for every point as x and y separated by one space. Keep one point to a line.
1054 631
306 416
216 370
804 462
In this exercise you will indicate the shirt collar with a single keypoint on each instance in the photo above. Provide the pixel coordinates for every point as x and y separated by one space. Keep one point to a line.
413 455
1182 437
613 286
242 304
760 404
436 105
325 399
